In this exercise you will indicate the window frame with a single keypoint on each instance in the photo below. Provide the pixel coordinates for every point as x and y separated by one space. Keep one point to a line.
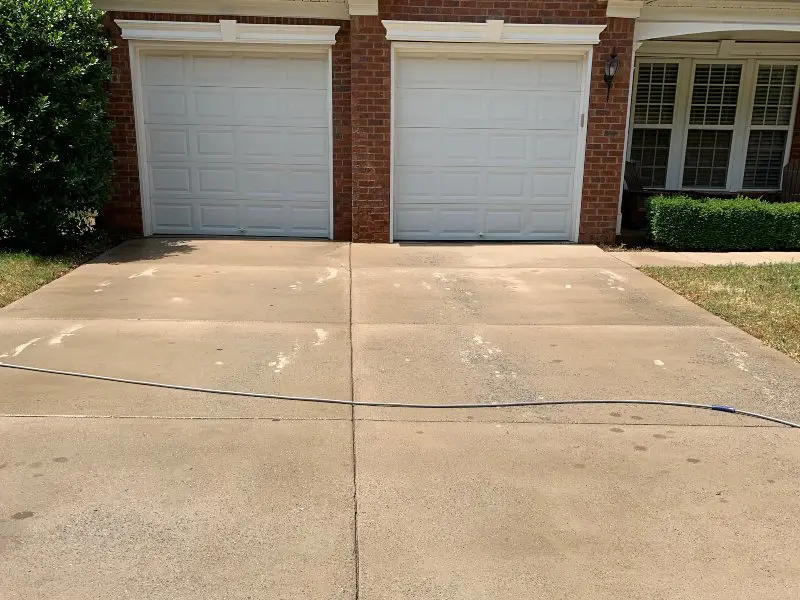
790 128
675 110
742 124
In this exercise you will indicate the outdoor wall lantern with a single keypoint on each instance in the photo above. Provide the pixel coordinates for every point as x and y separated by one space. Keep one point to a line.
612 66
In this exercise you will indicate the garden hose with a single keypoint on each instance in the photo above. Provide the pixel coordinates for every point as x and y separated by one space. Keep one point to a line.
316 400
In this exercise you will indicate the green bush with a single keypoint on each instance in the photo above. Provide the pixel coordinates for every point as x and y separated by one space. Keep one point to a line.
684 223
55 152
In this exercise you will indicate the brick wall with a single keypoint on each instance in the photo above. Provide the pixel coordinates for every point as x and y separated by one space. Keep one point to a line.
123 213
371 104
362 106
605 140
371 110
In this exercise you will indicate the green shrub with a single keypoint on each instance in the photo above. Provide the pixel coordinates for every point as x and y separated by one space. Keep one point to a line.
55 152
717 224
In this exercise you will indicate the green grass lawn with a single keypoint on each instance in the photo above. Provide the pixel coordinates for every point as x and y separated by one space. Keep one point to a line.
21 272
763 300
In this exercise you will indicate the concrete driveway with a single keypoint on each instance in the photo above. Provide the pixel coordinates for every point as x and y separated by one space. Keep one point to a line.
117 491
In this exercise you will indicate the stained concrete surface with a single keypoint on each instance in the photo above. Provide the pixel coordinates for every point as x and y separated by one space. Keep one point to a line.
492 363
541 296
193 292
93 508
295 359
185 495
481 510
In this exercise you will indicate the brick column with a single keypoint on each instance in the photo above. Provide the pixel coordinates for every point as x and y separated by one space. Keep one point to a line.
370 94
124 212
342 137
605 141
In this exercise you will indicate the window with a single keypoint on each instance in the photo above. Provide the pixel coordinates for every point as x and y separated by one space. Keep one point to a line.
652 121
769 126
712 115
713 125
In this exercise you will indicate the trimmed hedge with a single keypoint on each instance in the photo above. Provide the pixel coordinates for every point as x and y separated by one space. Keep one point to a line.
684 223
55 151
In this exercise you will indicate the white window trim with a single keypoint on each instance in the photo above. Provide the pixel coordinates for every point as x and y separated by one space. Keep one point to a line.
403 48
492 31
741 129
227 31
137 48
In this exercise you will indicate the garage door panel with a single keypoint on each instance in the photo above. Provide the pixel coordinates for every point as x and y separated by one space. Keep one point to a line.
486 109
216 180
218 217
246 144
163 69
170 179
497 222
172 217
509 221
484 148
225 69
550 185
235 106
442 71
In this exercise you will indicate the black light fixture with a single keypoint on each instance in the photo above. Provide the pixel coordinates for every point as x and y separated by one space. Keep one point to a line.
612 66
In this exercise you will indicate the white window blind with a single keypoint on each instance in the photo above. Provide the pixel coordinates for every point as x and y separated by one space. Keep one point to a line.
653 114
712 116
769 125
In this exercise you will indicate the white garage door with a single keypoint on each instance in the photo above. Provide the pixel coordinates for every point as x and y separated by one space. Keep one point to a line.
486 147
237 143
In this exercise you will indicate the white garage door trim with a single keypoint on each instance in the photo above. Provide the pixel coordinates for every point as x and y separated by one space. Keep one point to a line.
532 48
227 35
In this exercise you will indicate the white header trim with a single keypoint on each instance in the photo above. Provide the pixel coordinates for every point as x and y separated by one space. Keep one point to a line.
227 31
325 9
493 31
626 9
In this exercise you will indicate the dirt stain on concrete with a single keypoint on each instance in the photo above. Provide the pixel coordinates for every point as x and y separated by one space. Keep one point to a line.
694 461
617 429
25 514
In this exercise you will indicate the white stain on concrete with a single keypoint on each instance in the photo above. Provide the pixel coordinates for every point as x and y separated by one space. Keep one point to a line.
177 300
284 359
101 285
397 285
568 286
658 363
614 279
515 284
218 363
330 273
297 286
322 337
480 349
735 355
145 273
426 285
442 278
64 333
21 348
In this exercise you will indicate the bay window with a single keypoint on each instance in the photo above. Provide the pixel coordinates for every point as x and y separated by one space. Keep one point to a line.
702 124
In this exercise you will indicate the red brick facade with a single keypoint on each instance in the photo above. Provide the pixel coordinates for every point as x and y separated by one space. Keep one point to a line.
362 110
